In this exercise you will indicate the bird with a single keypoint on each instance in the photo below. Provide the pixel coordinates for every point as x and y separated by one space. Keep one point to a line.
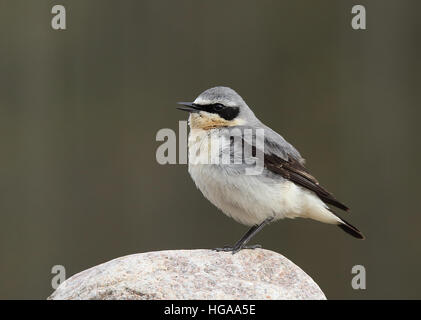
219 119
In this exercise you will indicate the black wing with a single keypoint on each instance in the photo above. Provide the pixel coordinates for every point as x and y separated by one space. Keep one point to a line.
294 171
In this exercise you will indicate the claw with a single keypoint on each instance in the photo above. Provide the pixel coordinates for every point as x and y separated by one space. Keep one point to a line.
234 250
225 249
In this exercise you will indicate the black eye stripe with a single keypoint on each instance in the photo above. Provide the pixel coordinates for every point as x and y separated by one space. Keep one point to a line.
218 107
227 113
212 108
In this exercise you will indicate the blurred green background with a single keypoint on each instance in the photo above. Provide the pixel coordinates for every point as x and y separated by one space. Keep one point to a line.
80 109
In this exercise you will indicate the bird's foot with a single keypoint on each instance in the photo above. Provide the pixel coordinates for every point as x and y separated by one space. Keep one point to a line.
235 249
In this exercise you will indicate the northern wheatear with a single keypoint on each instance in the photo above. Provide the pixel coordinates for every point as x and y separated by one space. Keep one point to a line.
283 189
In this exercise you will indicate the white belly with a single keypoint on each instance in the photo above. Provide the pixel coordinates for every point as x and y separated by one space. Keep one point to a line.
251 199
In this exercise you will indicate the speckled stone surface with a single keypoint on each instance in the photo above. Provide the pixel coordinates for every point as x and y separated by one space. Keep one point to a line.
192 274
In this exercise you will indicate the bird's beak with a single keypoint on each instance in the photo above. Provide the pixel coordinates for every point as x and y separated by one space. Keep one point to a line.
189 107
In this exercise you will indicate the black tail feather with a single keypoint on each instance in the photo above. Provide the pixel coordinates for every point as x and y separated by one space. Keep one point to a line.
350 229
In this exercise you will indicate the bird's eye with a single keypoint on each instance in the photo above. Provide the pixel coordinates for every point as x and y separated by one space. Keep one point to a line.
218 106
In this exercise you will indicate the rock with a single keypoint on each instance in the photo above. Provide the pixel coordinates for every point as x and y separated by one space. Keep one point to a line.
192 274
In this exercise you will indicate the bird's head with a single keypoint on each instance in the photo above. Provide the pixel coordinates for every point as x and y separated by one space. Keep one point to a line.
217 107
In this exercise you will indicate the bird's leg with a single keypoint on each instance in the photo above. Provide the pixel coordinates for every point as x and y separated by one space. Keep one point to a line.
241 244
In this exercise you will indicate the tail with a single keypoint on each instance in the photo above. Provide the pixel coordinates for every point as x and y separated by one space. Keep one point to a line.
318 210
350 229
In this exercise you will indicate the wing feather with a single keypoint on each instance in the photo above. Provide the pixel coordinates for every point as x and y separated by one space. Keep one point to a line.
294 171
